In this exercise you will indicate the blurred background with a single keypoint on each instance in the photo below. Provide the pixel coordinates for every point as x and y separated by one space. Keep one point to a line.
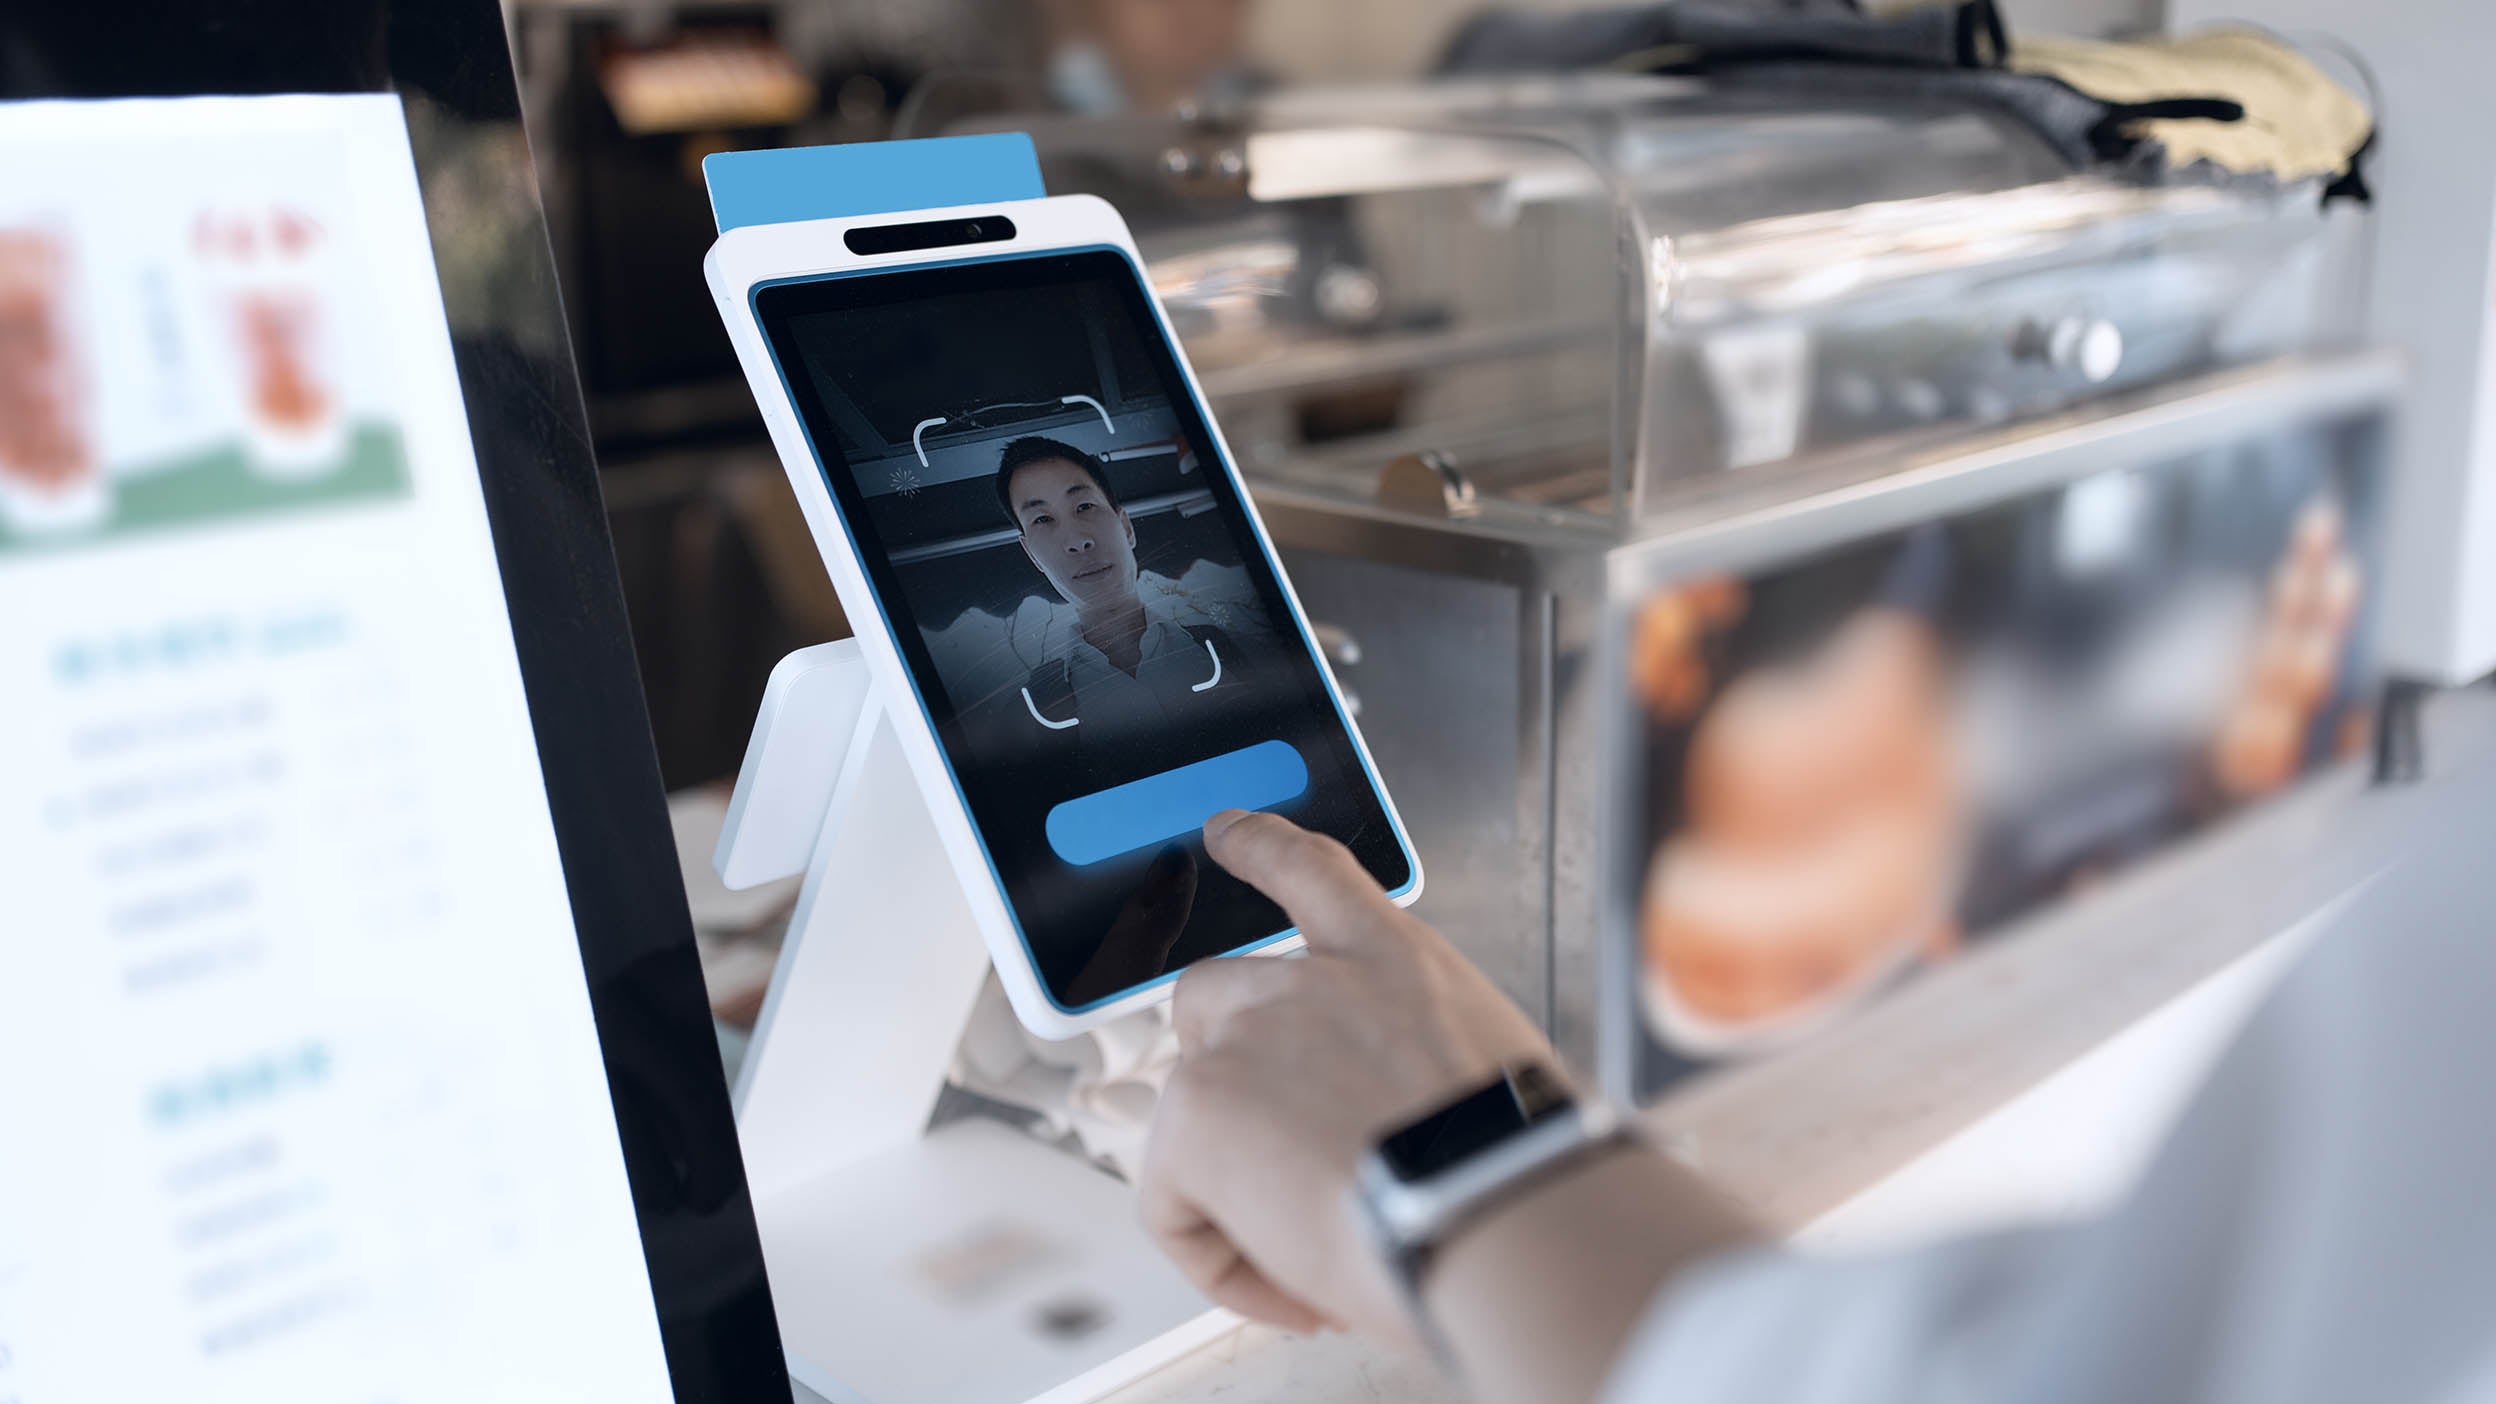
1792 488
626 96
1879 550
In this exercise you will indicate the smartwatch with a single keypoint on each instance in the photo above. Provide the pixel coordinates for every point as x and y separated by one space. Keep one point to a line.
1435 1175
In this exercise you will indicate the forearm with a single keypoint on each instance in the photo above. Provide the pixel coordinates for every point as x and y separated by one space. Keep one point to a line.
1537 1300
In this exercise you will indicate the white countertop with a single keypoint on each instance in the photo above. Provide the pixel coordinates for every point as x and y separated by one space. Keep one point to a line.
2029 1079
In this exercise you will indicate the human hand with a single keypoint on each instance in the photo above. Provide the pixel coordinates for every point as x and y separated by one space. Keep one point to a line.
1291 1068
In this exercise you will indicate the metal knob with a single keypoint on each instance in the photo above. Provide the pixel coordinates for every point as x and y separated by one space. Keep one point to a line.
1349 295
2088 347
1340 648
1429 482
1342 651
1921 400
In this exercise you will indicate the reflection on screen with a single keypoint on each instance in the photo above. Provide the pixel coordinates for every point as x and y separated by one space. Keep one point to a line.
299 1092
1082 600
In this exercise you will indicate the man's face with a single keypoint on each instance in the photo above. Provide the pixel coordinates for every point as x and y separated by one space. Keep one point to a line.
1082 544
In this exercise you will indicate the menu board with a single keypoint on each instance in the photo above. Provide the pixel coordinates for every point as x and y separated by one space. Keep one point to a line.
300 1092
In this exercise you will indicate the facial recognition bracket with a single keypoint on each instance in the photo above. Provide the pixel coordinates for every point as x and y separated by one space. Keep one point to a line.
970 1264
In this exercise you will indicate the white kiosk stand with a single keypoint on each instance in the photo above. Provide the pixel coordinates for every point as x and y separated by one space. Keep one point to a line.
970 1264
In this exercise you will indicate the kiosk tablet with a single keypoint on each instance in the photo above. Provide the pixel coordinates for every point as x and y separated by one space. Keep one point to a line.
352 1042
1055 572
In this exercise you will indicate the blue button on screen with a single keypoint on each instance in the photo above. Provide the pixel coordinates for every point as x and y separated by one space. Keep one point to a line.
1157 808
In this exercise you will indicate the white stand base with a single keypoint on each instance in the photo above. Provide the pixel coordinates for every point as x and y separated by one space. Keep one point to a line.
968 1265
973 1265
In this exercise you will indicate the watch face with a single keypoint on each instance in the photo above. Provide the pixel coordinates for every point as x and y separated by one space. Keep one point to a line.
1521 1097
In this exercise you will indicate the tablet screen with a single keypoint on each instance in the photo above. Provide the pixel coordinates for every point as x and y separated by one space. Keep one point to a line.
1085 608
300 1090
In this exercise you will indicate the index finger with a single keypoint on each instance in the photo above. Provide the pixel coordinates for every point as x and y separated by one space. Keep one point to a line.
1327 893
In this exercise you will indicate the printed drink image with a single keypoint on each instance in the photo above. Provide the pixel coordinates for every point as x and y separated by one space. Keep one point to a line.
49 478
272 268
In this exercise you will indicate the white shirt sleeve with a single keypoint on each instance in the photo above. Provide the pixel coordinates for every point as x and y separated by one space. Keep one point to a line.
2317 1232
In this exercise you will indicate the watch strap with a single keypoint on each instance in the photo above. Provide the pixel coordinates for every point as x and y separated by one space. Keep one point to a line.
1410 1219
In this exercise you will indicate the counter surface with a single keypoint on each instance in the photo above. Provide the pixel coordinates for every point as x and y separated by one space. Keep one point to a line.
2154 970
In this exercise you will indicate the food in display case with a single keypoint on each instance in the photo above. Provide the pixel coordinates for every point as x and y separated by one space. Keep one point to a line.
1822 834
2288 677
1853 762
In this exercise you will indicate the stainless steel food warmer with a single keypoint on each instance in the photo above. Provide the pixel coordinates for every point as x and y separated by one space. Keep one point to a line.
1503 359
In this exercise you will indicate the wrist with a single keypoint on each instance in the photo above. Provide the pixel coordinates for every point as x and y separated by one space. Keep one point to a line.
1537 1298
1479 1250
1430 1178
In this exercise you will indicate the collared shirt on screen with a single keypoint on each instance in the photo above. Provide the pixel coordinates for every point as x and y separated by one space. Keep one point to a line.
1171 664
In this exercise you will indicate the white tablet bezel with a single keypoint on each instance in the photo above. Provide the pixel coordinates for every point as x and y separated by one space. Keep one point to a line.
745 260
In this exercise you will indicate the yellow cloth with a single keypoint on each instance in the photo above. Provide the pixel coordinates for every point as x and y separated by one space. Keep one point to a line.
2298 123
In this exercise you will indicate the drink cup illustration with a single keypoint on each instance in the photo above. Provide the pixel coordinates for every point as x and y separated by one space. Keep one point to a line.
50 480
271 272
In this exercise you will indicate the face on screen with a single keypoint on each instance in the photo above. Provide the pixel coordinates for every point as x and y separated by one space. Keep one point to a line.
1077 592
